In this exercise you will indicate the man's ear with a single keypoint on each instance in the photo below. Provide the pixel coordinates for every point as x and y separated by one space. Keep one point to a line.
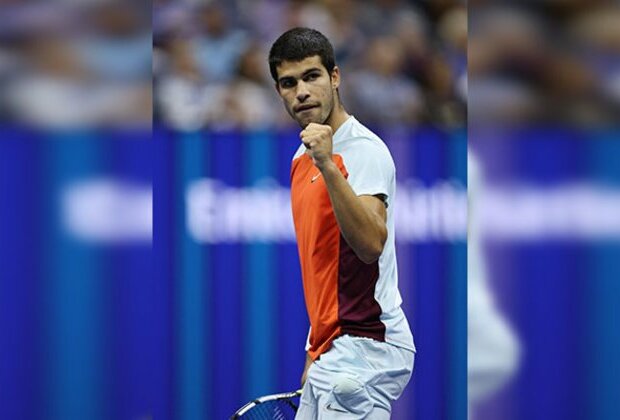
335 76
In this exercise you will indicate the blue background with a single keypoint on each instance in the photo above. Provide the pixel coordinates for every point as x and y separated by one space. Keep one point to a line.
177 329
560 295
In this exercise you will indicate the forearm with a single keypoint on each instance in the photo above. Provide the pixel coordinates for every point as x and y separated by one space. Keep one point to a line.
363 229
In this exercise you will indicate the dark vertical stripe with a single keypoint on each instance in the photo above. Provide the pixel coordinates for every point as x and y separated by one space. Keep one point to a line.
140 334
431 273
209 337
164 279
136 310
20 293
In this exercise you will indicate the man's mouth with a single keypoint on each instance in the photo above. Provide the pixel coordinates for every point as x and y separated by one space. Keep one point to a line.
305 107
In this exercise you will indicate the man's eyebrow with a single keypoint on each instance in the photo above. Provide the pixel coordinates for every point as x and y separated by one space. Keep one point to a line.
310 71
313 69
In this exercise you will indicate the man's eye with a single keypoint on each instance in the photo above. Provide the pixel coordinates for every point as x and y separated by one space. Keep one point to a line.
287 84
312 76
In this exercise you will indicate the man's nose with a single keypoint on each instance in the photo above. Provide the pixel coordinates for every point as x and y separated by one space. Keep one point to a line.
302 91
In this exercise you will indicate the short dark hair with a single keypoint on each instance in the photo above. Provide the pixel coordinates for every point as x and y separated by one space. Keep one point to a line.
297 44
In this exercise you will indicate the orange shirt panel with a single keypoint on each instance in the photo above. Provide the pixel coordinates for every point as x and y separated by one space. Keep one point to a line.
318 241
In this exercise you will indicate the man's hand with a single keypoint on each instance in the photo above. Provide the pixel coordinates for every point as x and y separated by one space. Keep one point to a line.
318 141
305 374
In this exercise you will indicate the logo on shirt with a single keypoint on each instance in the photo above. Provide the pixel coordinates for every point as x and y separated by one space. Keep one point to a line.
314 178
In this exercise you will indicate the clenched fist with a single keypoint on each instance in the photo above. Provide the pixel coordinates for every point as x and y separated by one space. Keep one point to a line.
318 141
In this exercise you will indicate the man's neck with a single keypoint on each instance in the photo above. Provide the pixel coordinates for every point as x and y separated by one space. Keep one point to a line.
338 116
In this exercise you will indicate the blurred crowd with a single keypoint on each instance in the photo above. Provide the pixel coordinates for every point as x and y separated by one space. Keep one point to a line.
203 63
67 64
544 61
402 62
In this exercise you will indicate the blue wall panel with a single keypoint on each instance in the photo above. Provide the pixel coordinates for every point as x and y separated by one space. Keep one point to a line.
184 327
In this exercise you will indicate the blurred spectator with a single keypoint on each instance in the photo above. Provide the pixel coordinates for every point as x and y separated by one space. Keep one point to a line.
189 102
181 89
218 45
250 95
345 34
117 45
246 101
597 34
380 93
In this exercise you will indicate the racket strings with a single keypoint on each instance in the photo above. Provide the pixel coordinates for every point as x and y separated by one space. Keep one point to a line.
272 410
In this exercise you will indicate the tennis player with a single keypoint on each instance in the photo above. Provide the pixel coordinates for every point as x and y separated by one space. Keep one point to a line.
360 349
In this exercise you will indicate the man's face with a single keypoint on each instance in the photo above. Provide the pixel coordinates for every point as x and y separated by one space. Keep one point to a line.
307 90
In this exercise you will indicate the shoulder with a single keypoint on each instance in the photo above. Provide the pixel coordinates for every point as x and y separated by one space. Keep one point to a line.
364 145
365 148
360 136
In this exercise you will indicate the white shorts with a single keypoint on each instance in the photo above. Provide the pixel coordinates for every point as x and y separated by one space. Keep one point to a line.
358 378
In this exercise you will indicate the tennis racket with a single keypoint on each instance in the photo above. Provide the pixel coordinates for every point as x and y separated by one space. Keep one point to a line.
270 407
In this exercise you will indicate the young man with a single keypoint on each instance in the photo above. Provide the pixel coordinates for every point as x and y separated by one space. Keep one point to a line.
360 349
